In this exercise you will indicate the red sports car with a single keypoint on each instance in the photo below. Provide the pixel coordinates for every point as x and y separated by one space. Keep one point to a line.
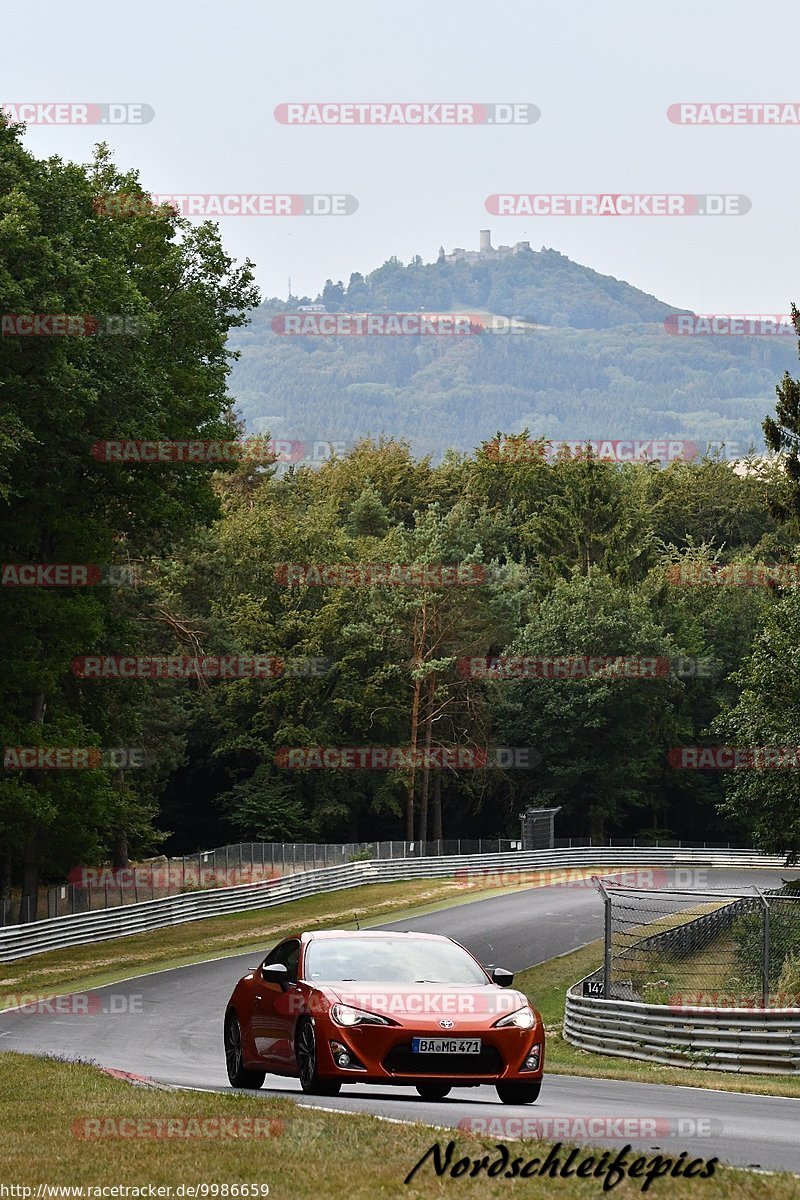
374 1007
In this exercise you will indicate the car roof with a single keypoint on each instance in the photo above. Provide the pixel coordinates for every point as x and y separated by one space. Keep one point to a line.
367 934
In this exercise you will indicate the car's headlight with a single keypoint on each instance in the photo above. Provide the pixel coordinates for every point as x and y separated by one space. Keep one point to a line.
523 1018
344 1014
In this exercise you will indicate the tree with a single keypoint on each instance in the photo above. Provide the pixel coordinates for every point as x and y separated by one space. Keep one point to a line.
602 738
66 249
784 435
766 713
368 516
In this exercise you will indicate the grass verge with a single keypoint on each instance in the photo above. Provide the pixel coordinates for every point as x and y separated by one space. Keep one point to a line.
308 1155
122 958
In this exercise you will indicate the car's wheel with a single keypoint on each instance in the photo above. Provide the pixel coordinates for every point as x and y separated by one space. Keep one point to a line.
433 1091
305 1051
519 1093
238 1075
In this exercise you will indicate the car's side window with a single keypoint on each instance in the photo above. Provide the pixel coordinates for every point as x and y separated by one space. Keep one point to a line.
273 956
292 960
287 953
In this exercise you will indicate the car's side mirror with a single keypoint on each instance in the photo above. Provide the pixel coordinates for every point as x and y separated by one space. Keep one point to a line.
502 978
276 973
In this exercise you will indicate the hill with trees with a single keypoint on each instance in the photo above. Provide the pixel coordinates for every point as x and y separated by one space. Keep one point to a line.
593 359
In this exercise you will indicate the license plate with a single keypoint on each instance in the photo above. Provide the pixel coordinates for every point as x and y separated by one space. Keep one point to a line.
445 1045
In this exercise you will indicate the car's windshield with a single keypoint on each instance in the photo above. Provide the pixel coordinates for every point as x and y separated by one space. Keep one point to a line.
391 960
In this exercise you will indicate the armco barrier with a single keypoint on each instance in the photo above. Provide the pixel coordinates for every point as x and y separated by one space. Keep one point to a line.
762 1041
19 941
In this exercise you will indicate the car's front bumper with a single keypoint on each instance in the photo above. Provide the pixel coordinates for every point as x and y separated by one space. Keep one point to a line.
380 1054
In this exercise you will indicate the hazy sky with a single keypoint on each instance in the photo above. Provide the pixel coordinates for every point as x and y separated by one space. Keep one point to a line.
602 75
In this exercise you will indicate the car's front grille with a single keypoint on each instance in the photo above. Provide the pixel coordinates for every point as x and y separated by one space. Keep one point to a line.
401 1061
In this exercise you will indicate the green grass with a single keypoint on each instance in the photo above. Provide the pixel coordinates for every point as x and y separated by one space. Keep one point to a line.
308 1155
215 937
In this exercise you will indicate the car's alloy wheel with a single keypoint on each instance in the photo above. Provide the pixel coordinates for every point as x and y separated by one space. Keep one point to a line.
238 1075
432 1091
305 1050
519 1093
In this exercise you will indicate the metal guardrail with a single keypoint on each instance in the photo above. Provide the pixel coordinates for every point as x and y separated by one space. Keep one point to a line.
763 1041
37 937
91 888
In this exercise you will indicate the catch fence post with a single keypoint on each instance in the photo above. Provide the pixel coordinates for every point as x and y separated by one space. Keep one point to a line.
765 949
607 941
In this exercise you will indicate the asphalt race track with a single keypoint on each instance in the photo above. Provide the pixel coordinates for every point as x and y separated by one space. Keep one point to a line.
168 1026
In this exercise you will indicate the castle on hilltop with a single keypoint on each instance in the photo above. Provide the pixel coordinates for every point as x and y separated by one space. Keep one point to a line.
486 252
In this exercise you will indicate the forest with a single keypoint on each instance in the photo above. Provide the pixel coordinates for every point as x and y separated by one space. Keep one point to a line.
430 613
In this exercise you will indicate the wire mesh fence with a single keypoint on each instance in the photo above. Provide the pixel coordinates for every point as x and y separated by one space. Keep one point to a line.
709 949
90 889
